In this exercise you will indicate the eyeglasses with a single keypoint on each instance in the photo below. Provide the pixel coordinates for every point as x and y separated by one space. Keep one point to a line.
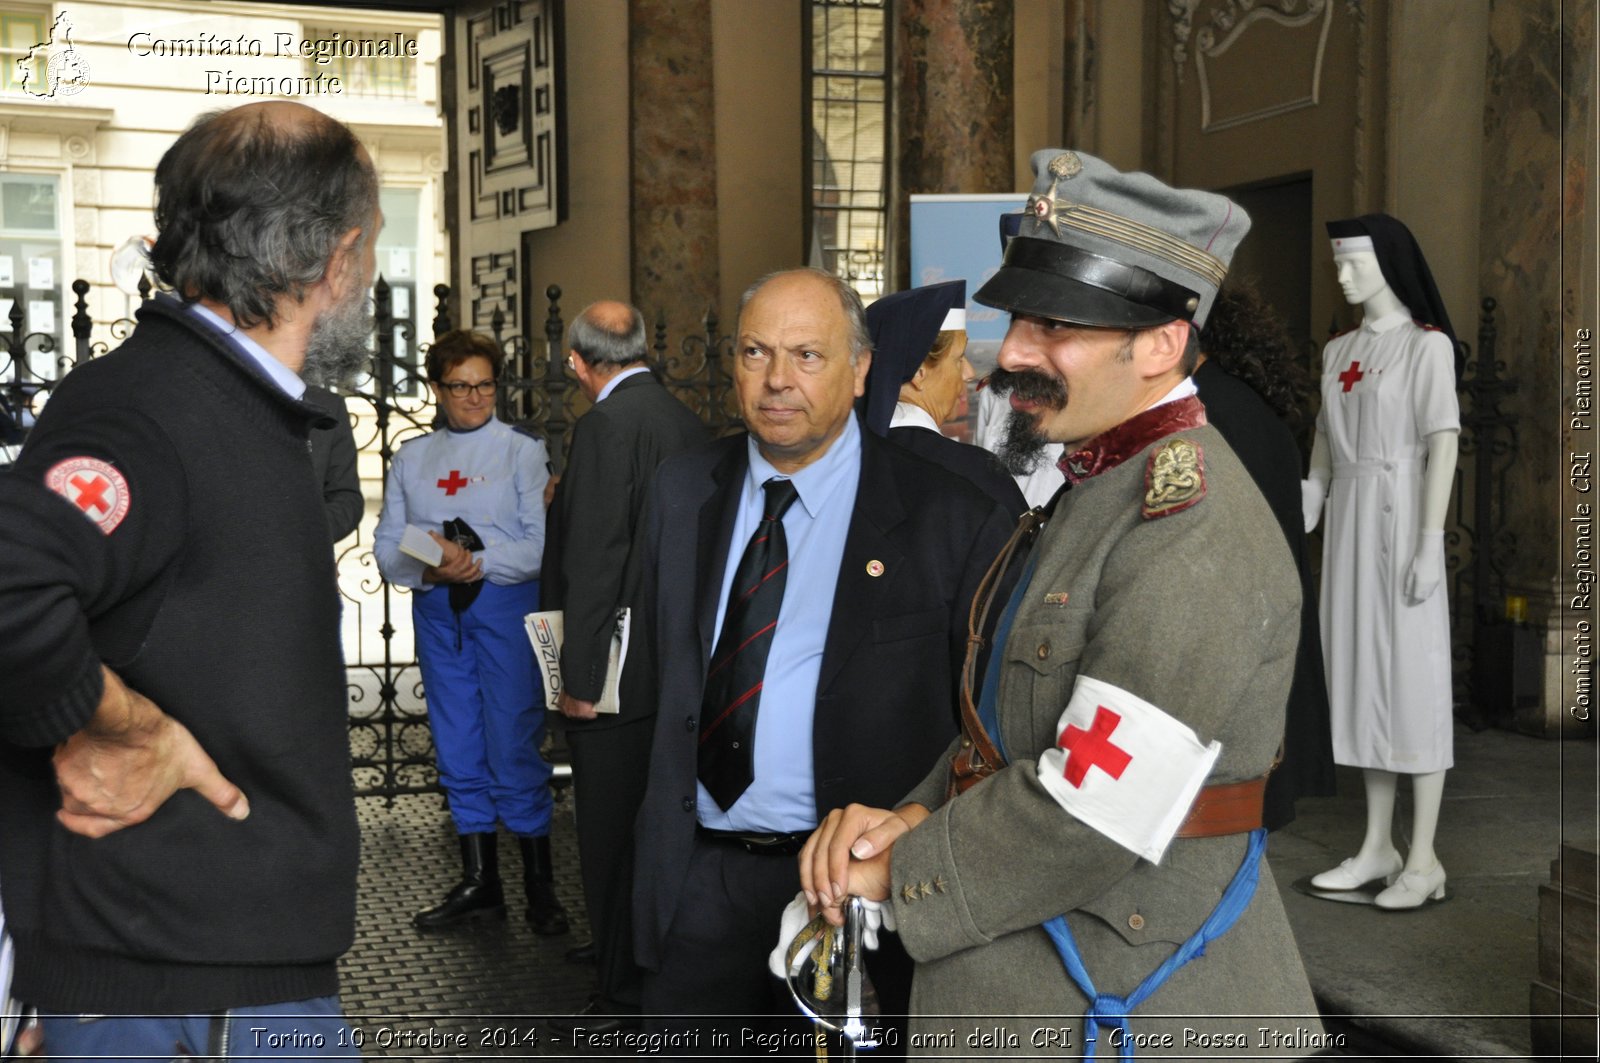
459 388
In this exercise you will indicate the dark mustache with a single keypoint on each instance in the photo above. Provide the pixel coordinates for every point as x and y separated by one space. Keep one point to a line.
1029 385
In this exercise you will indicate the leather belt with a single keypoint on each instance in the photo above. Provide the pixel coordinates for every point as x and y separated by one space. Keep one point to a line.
1225 808
755 842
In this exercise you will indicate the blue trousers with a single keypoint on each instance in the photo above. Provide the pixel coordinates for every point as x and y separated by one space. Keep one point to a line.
301 1029
486 708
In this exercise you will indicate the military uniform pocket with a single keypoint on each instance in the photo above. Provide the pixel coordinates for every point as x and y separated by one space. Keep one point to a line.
1155 904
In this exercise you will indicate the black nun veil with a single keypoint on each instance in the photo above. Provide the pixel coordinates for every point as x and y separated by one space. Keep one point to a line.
1404 267
904 327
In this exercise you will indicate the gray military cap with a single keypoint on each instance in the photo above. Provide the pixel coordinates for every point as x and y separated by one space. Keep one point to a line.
1117 250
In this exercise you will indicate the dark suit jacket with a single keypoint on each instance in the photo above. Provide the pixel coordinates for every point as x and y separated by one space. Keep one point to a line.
886 696
588 568
333 455
975 464
1267 448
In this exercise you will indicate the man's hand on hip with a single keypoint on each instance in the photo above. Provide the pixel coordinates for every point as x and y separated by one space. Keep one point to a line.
128 760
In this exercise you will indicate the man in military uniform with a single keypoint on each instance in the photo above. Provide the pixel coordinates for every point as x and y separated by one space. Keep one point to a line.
1097 826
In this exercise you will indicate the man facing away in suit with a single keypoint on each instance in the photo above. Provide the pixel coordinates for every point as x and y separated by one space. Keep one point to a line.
808 584
633 426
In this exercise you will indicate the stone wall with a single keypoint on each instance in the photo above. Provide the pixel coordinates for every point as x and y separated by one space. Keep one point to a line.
1521 223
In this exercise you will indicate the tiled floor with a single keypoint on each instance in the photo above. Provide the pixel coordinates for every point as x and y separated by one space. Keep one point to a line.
1448 982
467 992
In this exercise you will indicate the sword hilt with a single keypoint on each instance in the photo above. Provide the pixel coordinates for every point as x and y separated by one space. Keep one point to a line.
836 957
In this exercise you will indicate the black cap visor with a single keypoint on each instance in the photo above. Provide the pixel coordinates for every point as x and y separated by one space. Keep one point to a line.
1051 280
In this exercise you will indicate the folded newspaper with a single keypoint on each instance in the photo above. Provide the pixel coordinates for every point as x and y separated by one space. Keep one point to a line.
547 632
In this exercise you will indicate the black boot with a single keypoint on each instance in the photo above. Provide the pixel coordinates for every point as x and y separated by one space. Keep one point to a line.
478 892
544 910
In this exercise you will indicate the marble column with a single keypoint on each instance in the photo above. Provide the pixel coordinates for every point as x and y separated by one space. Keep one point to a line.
953 108
1537 263
1521 223
673 167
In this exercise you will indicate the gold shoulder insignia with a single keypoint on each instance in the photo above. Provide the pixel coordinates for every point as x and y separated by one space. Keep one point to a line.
1174 478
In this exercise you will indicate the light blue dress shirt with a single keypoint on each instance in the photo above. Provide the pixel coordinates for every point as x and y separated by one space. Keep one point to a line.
783 796
611 385
275 370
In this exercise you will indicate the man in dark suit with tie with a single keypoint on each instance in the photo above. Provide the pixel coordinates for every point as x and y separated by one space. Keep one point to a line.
809 585
632 427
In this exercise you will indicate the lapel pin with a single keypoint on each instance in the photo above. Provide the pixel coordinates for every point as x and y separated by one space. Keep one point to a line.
874 568
1056 598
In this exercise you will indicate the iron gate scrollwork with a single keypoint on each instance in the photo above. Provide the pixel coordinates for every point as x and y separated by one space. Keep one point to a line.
391 746
390 743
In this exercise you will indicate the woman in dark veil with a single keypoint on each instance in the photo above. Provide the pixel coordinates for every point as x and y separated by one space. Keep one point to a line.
918 381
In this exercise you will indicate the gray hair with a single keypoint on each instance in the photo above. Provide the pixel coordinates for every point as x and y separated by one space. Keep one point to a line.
248 210
855 314
598 344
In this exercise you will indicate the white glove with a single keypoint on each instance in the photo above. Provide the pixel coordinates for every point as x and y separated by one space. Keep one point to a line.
1427 567
798 914
1313 492
795 917
878 913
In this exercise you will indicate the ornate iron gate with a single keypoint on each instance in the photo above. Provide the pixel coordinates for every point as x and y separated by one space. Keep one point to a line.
391 747
390 743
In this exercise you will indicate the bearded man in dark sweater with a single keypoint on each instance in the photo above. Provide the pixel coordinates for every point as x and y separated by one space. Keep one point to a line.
178 839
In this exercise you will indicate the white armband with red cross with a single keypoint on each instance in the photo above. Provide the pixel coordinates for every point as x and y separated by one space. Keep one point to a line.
1124 767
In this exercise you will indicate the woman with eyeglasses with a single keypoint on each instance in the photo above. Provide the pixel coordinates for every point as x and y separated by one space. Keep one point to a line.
476 487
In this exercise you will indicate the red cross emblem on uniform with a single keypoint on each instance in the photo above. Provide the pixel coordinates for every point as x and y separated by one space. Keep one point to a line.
1093 748
97 488
454 482
1352 376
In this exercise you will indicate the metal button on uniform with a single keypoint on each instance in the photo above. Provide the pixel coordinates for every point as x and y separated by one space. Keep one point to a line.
688 723
1135 921
1044 650
688 804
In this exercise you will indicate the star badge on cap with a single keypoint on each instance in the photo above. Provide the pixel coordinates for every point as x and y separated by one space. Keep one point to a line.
1045 208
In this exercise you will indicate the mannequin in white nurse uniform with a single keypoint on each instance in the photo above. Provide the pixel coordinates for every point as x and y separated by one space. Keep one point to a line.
1384 460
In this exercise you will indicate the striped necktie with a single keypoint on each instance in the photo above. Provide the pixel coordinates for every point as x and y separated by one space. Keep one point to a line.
739 663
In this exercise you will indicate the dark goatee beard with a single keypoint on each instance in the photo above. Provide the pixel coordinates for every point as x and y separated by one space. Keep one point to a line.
1022 445
337 349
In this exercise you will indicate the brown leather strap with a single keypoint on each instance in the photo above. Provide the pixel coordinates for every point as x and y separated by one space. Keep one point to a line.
977 757
1226 808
